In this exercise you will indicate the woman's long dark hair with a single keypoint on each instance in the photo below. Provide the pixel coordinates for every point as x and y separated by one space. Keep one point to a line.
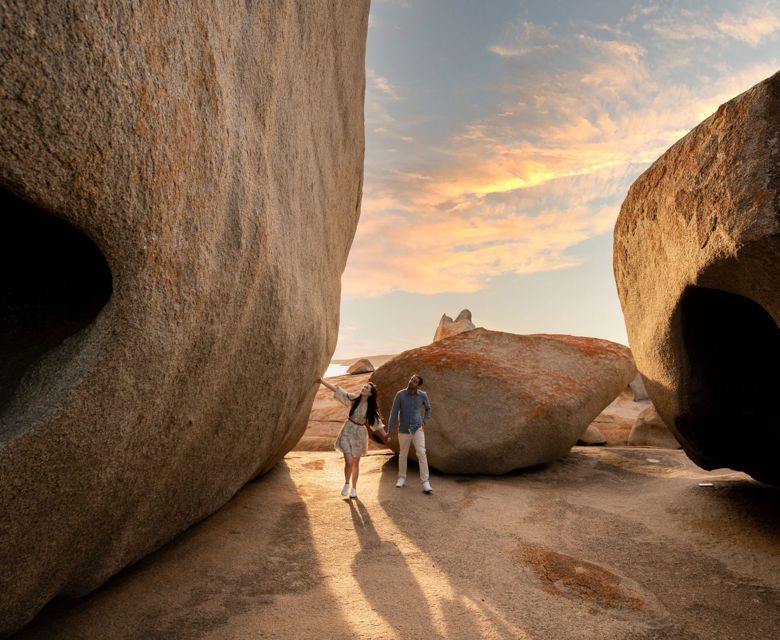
372 411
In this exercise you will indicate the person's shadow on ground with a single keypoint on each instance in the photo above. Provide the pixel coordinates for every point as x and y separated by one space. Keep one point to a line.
387 581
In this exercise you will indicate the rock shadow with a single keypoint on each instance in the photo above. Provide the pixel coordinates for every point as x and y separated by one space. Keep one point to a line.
608 564
236 562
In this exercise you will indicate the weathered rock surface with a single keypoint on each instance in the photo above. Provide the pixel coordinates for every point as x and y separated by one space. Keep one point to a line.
167 173
592 437
697 264
361 366
503 401
449 327
618 418
638 389
650 431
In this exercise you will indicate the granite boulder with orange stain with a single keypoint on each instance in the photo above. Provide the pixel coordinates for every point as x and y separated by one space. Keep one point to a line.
503 401
697 267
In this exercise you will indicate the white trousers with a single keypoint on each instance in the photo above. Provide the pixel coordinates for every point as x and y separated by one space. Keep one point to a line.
406 439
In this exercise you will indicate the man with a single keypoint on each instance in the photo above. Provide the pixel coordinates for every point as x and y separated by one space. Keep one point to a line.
408 403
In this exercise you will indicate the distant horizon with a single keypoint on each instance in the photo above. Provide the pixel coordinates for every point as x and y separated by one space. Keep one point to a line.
351 358
501 139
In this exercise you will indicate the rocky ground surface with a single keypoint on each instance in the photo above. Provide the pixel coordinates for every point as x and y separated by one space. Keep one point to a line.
609 543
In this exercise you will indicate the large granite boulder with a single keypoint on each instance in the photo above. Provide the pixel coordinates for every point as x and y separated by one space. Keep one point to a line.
503 401
449 327
697 264
180 184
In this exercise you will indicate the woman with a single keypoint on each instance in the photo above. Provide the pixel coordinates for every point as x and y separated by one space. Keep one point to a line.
352 440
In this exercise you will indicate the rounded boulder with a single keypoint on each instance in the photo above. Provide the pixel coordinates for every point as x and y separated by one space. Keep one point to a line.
502 401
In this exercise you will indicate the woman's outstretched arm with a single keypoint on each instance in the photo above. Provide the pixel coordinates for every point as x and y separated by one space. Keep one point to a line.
327 384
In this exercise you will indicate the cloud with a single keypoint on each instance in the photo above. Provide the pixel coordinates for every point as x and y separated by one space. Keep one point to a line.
751 26
576 119
429 244
524 38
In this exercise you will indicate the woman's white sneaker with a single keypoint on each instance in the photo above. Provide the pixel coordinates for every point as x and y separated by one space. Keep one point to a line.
400 482
427 487
353 493
345 490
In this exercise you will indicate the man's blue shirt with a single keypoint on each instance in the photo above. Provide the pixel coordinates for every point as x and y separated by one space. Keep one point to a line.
409 405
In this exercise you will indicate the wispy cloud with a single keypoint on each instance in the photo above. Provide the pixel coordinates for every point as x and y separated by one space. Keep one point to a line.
383 85
751 26
426 243
523 39
748 23
578 116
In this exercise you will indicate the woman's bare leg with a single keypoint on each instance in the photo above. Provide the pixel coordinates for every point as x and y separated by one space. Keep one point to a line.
355 470
348 460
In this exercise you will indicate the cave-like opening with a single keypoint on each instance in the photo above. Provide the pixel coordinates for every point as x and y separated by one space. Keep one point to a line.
733 348
53 282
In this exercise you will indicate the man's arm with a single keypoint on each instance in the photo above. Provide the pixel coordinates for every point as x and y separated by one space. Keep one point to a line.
427 404
394 412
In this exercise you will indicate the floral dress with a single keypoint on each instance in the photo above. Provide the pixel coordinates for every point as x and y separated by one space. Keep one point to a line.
353 437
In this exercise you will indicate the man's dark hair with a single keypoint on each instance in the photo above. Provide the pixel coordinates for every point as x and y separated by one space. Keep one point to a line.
419 377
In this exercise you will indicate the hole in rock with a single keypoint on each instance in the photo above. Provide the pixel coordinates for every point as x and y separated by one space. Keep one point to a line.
733 346
53 283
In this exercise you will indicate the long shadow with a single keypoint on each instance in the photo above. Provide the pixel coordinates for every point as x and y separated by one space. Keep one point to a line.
380 564
460 620
235 563
676 593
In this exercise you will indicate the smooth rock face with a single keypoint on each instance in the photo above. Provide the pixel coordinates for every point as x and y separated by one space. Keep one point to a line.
592 437
697 264
637 386
650 431
449 327
503 401
180 186
618 418
361 366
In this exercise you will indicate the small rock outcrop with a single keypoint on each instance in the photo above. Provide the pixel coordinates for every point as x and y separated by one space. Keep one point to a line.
697 265
361 366
638 390
503 401
592 437
180 184
449 327
650 431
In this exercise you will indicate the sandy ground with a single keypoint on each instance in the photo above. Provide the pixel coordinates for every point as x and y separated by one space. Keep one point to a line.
606 543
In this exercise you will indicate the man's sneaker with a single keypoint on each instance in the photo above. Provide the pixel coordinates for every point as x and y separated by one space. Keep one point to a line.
400 482
427 487
345 490
353 493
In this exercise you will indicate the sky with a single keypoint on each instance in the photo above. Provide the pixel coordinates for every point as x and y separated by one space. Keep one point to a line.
501 139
